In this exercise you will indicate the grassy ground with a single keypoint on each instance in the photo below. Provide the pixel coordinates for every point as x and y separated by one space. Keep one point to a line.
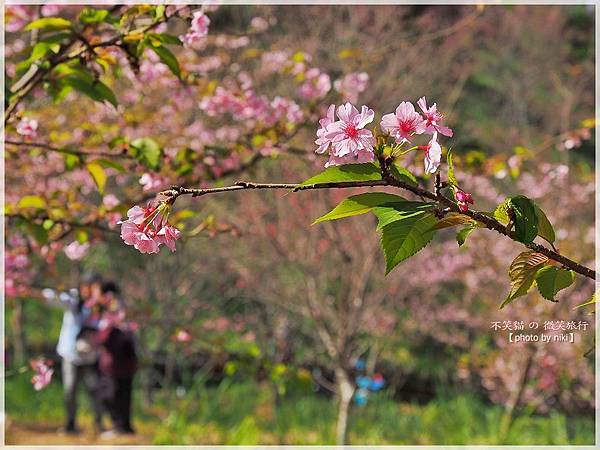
244 413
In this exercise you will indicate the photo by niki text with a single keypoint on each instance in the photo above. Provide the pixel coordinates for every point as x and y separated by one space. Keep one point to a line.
540 331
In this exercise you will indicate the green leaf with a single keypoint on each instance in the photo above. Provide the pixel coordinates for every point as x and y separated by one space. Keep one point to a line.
39 233
550 280
97 172
402 174
451 177
526 221
403 238
462 235
108 164
81 235
41 49
545 229
358 204
94 89
167 58
71 161
348 172
392 212
90 15
164 38
522 274
147 151
49 23
501 211
32 201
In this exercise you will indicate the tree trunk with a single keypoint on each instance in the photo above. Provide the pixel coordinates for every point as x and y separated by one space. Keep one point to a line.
345 391
20 339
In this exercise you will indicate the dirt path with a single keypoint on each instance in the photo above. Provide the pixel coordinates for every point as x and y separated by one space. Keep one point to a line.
43 434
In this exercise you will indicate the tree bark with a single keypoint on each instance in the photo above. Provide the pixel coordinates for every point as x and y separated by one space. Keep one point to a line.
345 391
20 339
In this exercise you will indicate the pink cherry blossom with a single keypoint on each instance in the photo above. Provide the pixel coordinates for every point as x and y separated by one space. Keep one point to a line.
322 141
348 136
27 127
75 250
168 235
463 199
352 85
43 373
110 201
317 84
153 182
433 154
198 29
17 16
433 118
147 229
404 123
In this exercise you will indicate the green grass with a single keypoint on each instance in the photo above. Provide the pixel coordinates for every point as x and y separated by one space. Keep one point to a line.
244 413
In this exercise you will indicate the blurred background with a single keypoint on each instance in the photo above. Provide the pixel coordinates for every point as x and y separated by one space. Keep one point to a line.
236 329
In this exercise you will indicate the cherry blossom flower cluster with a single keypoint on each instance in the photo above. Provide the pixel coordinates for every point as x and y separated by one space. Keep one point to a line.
316 85
351 85
463 199
249 106
147 228
198 29
43 373
348 141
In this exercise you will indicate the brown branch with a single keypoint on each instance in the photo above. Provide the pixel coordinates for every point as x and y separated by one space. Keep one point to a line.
388 180
51 148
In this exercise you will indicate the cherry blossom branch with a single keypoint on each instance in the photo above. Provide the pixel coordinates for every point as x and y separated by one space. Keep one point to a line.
38 75
388 180
51 148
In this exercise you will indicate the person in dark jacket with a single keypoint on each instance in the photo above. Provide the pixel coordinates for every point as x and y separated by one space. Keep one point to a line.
117 362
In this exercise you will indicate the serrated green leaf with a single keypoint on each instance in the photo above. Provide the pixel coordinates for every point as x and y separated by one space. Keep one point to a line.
522 274
49 23
526 221
545 229
403 238
451 176
402 174
167 58
147 151
97 172
91 15
348 172
462 235
550 280
32 201
358 204
95 89
392 212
